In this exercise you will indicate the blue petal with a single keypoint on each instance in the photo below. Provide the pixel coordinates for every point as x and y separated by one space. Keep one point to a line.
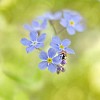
33 36
25 42
43 65
43 55
35 24
57 15
30 49
57 60
28 27
41 38
56 40
80 27
69 51
71 30
44 24
77 18
48 16
51 52
51 16
63 22
39 45
66 42
55 46
67 15
52 68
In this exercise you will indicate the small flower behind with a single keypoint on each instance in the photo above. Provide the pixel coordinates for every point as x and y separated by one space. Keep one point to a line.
50 60
36 41
60 46
51 16
72 21
36 26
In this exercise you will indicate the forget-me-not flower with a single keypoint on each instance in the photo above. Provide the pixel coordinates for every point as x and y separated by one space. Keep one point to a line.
72 21
49 60
35 41
36 26
51 16
59 45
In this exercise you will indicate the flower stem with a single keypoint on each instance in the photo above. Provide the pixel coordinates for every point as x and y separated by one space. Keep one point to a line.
53 27
61 30
38 49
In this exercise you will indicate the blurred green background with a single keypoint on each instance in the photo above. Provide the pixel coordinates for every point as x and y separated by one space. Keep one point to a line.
20 77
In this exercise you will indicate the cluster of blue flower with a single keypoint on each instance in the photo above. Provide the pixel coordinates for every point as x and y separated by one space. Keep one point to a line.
55 59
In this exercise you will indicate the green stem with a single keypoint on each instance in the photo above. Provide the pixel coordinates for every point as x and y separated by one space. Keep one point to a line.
61 30
53 27
38 49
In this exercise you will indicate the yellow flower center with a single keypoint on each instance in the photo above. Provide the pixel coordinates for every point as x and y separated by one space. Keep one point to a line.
72 23
61 47
49 60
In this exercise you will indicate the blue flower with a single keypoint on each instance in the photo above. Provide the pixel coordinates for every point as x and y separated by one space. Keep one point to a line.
50 60
51 16
72 21
59 45
35 42
36 26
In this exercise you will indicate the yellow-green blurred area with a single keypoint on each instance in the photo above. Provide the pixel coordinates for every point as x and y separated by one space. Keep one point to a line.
20 77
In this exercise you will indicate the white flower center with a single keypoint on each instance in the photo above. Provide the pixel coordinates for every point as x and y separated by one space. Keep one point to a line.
34 43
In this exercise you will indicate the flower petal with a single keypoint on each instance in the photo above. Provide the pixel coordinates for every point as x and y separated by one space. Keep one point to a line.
35 24
33 36
77 18
51 52
25 42
48 16
39 45
43 65
30 49
71 30
51 16
28 27
52 68
57 60
69 51
56 40
43 55
63 22
80 27
66 42
67 15
57 15
55 46
44 24
41 38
